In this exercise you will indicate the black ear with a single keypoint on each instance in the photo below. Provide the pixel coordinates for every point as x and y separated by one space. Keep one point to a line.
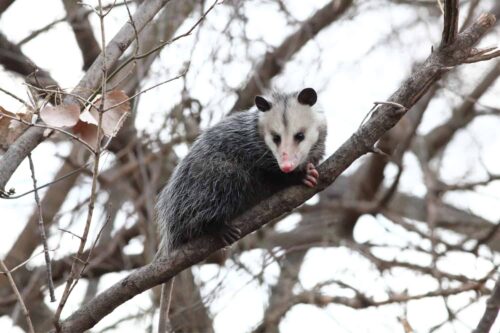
307 97
262 104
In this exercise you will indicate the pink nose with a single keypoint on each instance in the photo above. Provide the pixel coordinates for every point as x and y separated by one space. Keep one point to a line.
287 167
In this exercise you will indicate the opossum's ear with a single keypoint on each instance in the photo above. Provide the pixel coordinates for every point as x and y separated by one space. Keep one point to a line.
307 97
262 104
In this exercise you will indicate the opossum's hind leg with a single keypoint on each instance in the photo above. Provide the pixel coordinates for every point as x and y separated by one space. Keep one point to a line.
230 234
312 175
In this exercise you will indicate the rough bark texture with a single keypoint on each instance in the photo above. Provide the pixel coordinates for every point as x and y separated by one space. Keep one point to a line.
87 85
359 144
143 162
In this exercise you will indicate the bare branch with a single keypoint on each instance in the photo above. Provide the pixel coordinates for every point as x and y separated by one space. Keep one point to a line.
13 59
491 311
80 24
4 4
41 228
85 88
450 30
18 295
76 270
359 144
360 301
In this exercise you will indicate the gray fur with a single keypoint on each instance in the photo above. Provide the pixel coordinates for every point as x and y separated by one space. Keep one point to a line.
228 170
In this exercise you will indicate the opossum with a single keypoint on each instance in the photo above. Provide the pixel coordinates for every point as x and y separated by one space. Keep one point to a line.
242 160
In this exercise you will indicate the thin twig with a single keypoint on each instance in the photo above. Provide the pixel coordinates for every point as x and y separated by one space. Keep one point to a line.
131 18
397 105
376 104
18 295
57 129
50 25
69 174
146 90
26 261
41 228
84 101
75 274
162 45
17 98
69 232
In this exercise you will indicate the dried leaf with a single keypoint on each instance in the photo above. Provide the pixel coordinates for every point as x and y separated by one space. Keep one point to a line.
63 115
113 117
87 132
8 113
11 129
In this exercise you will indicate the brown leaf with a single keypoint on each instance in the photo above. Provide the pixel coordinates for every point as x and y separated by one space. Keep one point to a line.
113 117
11 129
62 115
87 132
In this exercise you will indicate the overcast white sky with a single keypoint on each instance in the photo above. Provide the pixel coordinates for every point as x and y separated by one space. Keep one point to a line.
349 79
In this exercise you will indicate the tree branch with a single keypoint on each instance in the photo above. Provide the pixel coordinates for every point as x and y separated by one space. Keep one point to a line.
491 311
451 11
13 59
12 283
4 4
361 142
18 151
78 20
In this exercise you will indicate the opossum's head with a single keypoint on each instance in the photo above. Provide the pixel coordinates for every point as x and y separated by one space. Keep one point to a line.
290 126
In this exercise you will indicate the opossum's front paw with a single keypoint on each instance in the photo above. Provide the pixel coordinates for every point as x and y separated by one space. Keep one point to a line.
230 234
312 175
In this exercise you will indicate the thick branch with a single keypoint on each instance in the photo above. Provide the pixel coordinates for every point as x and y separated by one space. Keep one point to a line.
78 19
451 11
4 4
85 88
359 144
491 311
13 59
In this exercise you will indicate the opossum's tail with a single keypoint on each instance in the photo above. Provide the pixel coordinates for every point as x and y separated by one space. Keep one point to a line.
164 248
164 325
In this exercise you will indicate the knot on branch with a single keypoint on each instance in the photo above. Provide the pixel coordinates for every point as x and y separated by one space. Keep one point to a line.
457 49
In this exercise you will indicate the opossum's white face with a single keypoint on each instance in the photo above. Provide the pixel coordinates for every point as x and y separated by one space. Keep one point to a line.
290 126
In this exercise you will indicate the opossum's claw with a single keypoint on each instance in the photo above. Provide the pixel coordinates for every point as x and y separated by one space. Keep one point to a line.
312 175
230 234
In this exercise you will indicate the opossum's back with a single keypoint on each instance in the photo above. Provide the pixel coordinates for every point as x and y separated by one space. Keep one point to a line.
213 183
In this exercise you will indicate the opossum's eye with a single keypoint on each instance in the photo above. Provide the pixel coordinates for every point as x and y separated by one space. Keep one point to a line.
299 137
276 139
